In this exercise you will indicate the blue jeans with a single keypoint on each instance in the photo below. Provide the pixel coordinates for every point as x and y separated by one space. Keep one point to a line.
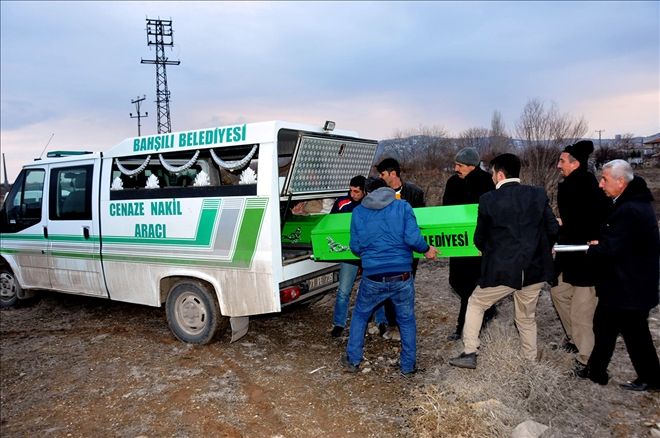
347 274
371 294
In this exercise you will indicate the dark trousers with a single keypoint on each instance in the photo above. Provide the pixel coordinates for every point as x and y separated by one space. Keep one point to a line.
633 326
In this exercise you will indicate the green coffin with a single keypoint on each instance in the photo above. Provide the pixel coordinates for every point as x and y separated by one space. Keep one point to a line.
298 229
450 229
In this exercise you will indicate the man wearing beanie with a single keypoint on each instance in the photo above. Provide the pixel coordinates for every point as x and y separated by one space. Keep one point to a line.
582 209
465 187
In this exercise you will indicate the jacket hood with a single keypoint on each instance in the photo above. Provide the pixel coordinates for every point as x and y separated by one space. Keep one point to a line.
379 198
637 190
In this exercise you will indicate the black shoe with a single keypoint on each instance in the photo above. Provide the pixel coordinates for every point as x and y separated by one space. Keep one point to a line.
382 328
580 368
638 385
410 374
349 367
581 372
454 336
468 360
337 331
584 373
569 347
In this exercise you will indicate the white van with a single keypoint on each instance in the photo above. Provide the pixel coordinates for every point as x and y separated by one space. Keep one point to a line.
200 221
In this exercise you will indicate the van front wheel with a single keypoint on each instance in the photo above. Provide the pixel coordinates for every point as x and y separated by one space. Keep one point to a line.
9 288
193 313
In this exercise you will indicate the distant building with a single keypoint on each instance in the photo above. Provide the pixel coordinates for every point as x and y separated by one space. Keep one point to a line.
652 150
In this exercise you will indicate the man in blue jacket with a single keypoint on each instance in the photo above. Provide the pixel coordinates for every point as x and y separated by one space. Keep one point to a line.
515 233
384 234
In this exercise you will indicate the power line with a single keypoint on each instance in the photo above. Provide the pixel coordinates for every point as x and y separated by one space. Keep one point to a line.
137 103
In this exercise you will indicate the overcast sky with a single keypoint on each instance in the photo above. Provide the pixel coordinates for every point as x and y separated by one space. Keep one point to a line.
72 68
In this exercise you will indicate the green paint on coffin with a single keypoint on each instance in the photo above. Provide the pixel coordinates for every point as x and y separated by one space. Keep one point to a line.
298 229
450 229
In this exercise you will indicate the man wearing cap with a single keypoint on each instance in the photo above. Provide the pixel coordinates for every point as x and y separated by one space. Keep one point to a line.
384 234
390 171
582 208
465 187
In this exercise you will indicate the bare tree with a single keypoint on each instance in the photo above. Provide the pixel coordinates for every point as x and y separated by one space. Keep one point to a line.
544 132
500 141
478 138
489 143
426 156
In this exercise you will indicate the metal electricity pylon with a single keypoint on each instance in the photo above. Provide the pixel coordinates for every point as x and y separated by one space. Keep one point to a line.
139 115
160 34
599 131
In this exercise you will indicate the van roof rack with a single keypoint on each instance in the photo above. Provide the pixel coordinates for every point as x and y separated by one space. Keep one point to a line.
57 154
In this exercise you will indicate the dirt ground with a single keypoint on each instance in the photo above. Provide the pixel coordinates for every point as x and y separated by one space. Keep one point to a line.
81 367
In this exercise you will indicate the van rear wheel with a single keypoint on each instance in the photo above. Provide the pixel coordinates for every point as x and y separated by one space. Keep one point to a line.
193 313
9 288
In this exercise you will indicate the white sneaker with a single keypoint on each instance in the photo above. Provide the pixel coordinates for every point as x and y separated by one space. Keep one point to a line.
392 333
372 328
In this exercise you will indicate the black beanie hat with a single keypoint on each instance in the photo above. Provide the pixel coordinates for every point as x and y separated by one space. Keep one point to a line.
581 151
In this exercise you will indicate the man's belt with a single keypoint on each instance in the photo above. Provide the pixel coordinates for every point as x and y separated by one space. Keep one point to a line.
389 278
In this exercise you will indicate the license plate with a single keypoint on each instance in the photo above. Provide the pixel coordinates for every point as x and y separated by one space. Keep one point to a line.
316 282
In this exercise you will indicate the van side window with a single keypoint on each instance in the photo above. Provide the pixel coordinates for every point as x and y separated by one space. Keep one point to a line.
23 205
227 171
71 193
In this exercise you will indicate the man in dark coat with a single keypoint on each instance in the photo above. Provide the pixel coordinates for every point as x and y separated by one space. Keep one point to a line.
515 233
582 208
627 255
390 171
465 187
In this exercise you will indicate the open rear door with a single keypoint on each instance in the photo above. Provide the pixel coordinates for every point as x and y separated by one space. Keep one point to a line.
324 165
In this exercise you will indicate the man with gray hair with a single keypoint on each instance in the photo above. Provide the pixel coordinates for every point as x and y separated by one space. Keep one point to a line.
627 284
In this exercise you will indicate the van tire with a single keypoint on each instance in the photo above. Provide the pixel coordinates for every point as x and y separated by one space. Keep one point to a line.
9 288
193 313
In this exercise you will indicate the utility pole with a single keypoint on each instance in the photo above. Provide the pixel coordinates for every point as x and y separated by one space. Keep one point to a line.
599 131
159 34
137 103
5 184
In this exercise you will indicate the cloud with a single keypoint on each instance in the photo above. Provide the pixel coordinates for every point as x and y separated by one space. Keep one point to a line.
624 113
373 67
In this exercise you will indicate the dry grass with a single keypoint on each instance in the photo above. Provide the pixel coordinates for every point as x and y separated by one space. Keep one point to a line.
502 392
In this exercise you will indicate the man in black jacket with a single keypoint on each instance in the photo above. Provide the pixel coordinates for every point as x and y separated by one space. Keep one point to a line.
627 255
582 208
390 172
465 187
515 233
